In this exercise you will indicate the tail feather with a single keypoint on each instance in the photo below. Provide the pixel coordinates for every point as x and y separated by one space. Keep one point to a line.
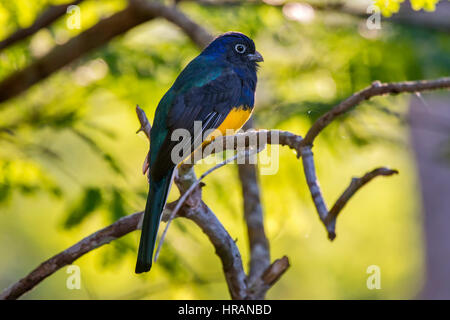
153 209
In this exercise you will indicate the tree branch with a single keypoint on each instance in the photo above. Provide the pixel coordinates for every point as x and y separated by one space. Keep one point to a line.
275 271
328 218
138 11
199 35
258 243
45 19
225 248
118 229
187 193
255 138
376 89
355 185
253 214
436 20
143 120
224 245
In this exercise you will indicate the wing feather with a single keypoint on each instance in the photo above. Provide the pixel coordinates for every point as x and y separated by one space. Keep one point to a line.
209 103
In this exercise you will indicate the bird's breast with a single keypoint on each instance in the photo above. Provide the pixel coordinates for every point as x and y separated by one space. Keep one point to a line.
235 119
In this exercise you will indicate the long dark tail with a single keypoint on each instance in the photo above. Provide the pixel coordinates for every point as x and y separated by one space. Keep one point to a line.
156 200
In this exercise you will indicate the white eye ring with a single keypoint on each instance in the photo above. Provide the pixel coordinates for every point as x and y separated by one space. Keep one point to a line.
240 48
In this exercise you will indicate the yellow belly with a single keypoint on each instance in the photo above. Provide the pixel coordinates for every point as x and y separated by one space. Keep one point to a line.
232 123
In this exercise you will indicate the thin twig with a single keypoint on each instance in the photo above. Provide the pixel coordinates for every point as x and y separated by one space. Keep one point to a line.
328 217
224 245
260 285
185 195
146 128
143 120
104 236
309 170
355 185
275 271
376 89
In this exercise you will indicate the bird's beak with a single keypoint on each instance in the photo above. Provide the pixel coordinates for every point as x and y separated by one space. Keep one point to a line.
255 57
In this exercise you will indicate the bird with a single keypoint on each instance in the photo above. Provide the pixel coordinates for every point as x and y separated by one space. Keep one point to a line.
216 88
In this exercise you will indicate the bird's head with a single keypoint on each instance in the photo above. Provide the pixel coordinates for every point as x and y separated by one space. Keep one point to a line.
236 48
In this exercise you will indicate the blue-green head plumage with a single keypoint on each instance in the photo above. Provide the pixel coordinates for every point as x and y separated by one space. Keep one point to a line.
230 50
234 48
236 51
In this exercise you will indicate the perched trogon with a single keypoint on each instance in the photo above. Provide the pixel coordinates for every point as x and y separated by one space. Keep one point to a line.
217 88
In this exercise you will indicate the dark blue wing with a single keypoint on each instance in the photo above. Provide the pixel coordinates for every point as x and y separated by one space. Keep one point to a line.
209 103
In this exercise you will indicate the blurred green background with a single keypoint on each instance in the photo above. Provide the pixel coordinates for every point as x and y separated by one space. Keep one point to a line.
70 161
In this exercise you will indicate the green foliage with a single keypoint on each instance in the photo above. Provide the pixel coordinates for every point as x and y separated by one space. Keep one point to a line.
107 157
90 200
389 7
117 207
25 178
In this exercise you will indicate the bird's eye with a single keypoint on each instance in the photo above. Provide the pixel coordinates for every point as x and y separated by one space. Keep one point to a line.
240 48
